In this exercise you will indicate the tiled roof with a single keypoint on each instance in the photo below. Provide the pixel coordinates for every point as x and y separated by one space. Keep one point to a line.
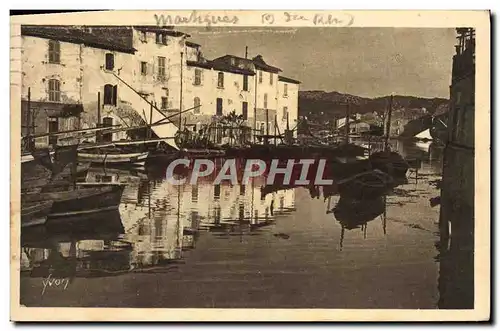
168 30
259 63
206 65
220 65
192 44
116 39
288 80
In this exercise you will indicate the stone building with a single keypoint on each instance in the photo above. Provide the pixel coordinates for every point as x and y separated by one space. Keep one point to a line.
82 76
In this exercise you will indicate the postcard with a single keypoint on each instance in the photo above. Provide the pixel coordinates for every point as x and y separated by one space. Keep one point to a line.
250 166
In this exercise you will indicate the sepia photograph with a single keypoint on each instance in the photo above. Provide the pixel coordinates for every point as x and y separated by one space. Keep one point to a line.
297 161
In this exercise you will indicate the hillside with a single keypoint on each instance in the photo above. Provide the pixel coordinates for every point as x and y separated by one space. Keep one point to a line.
333 104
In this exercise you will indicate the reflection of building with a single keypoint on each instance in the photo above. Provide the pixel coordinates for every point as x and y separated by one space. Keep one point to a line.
162 221
457 192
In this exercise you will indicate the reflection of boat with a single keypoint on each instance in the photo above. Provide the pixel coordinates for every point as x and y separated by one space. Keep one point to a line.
35 213
424 145
77 249
106 225
354 213
365 185
79 201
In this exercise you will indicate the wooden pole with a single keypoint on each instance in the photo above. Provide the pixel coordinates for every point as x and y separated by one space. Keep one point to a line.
98 134
388 124
255 109
28 113
347 114
267 122
246 52
275 127
28 121
180 101
150 134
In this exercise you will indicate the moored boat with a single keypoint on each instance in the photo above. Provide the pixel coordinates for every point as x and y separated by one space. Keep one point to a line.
83 200
35 213
112 158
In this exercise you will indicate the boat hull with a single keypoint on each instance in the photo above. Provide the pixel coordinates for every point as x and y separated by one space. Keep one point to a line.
134 159
35 213
81 201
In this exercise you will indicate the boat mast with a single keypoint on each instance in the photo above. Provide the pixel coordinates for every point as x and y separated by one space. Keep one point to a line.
388 124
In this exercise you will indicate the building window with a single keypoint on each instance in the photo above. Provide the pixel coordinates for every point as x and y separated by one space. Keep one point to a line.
144 68
143 37
110 93
220 80
219 106
54 51
285 113
261 128
197 76
110 61
161 67
265 100
285 90
217 192
164 103
54 90
196 104
271 78
161 38
244 110
245 82
260 77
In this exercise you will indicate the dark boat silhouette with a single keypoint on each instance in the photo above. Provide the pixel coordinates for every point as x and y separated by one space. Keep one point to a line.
353 214
79 202
365 185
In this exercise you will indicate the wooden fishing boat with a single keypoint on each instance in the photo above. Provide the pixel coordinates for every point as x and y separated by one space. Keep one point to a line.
80 201
112 158
35 213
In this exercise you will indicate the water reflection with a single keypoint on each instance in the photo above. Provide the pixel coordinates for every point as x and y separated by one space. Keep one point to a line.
275 238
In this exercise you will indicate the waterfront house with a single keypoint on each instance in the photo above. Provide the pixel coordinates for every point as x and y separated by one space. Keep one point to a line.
84 76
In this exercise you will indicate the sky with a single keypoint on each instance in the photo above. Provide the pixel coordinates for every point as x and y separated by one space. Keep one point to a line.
367 62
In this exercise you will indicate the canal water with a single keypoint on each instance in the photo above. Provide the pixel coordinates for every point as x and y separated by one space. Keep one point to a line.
223 246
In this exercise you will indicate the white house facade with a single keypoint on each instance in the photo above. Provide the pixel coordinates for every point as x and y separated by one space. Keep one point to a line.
78 77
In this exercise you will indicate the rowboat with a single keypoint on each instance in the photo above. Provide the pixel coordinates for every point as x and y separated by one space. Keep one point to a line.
83 200
110 159
35 213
